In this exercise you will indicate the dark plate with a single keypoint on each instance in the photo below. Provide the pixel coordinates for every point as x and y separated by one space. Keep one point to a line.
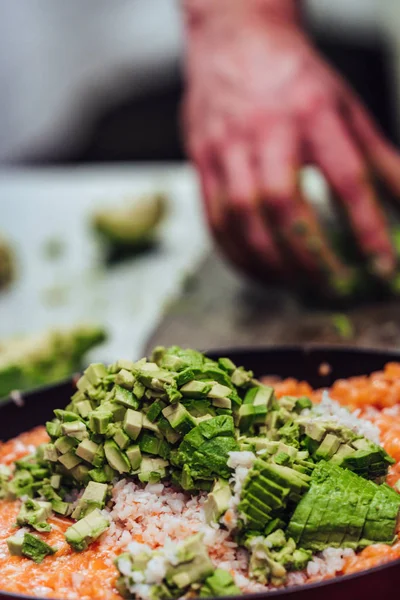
299 362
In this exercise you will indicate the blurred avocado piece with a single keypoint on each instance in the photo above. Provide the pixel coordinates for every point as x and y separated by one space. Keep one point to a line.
7 264
31 361
133 225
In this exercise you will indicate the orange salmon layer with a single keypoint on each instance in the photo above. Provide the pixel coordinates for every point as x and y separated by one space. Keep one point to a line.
91 575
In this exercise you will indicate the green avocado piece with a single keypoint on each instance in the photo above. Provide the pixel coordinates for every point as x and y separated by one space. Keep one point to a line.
69 460
87 450
124 397
328 447
134 456
35 548
87 530
125 379
94 496
220 583
84 408
35 513
116 458
121 438
14 544
64 444
133 423
179 418
197 389
99 420
217 500
50 453
152 470
155 410
193 564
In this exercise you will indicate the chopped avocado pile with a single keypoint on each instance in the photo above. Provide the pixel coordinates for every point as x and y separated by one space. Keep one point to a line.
172 574
285 480
32 361
132 225
29 546
271 557
342 510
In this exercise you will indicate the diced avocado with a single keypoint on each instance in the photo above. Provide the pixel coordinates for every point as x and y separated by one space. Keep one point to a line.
155 409
64 444
133 423
240 377
115 458
124 397
217 500
179 418
104 475
95 373
134 456
84 408
121 438
125 379
343 451
35 513
227 365
93 497
260 395
61 508
197 389
75 429
35 548
302 403
220 583
194 564
80 473
14 544
87 450
99 420
50 453
69 460
152 469
314 430
147 424
65 415
222 403
55 481
328 447
87 530
53 428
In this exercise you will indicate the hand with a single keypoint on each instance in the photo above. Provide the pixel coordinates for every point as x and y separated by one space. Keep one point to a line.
260 103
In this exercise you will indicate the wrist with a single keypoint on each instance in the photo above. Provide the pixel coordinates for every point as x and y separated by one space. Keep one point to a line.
201 14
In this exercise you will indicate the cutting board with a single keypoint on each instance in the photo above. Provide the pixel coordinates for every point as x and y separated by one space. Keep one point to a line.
219 309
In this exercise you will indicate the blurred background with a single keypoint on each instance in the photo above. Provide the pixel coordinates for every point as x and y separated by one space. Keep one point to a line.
90 92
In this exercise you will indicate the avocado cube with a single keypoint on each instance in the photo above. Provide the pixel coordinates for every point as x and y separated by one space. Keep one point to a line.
217 501
133 423
84 408
75 429
87 530
64 444
124 397
152 470
121 438
155 409
196 389
55 481
95 373
134 456
69 460
149 443
99 420
179 418
147 424
87 450
53 428
328 447
14 544
80 473
93 497
222 403
35 549
115 458
314 430
226 365
50 453
125 379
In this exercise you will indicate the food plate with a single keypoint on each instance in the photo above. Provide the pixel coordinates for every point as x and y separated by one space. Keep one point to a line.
320 366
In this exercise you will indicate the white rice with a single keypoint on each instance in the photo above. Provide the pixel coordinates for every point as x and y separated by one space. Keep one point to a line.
329 409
